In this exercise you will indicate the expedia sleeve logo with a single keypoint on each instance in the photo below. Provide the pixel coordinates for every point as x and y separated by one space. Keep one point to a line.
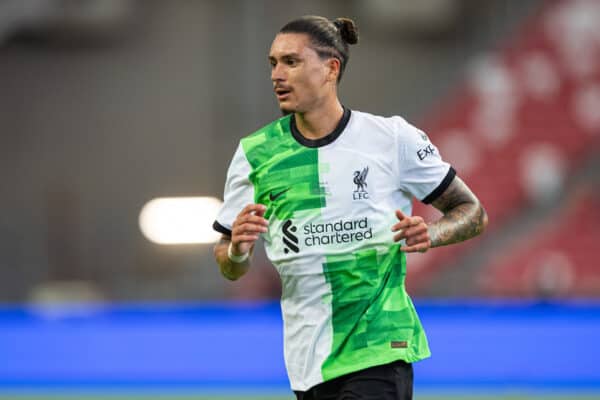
426 151
323 234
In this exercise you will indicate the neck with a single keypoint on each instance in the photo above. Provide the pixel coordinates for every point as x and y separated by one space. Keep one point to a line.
321 121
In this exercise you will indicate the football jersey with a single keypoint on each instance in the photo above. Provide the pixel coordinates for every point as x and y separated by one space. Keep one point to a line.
331 204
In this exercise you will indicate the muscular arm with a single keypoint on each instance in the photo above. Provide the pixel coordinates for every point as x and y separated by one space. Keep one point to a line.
464 216
228 268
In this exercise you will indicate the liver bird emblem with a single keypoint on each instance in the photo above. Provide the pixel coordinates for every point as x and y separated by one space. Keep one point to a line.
360 179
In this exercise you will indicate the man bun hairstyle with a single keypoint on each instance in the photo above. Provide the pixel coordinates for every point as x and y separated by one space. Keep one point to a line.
329 38
348 30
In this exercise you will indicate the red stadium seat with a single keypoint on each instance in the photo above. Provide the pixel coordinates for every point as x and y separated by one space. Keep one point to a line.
560 259
520 104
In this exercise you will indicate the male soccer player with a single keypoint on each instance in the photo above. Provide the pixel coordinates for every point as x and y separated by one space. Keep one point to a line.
330 191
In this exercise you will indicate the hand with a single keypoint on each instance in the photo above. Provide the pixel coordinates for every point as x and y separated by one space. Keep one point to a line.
247 227
414 230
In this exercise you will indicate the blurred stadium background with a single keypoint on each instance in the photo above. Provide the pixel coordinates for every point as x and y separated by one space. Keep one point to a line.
118 119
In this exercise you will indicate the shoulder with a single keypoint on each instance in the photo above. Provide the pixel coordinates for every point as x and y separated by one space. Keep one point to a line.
394 126
270 131
265 143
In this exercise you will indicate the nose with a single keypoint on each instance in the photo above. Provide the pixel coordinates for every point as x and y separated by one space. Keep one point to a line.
277 73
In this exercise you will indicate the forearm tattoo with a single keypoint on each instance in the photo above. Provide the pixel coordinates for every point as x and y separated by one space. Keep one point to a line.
464 216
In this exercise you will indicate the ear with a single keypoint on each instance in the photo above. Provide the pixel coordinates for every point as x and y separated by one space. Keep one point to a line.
334 69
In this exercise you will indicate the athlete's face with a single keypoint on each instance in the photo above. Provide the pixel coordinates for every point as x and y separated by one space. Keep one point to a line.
301 79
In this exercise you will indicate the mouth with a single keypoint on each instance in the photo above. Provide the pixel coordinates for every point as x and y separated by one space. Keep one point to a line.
282 93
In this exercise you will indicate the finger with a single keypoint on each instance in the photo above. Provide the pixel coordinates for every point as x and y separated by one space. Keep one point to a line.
397 227
400 215
414 230
422 238
253 219
250 228
261 210
241 235
421 247
416 220
250 217
250 208
405 223
406 234
398 237
409 223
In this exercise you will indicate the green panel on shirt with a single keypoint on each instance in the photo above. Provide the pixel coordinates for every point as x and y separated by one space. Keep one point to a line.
283 168
370 311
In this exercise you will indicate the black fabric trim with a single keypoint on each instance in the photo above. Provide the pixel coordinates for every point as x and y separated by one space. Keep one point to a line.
437 192
220 228
324 140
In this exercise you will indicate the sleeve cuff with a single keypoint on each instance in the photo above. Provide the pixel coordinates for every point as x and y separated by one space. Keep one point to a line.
437 192
220 228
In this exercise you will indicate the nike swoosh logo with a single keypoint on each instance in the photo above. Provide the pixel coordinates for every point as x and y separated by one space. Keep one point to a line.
275 196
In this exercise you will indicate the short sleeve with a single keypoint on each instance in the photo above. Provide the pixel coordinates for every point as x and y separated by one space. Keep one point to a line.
238 192
422 171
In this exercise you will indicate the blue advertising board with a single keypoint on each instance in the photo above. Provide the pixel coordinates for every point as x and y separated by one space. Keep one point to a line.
240 345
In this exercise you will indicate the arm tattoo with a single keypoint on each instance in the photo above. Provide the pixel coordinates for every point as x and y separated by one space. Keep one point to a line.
464 216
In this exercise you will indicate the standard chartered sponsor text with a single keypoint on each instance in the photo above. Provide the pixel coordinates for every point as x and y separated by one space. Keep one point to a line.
342 231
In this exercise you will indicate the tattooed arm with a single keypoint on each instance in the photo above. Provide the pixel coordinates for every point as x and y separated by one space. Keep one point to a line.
464 218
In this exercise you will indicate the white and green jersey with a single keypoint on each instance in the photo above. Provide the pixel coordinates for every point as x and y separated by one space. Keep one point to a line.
331 205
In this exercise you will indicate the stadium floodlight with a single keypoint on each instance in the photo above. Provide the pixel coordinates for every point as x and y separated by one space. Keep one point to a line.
180 220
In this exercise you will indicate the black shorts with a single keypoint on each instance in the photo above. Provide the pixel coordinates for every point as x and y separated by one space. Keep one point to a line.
392 381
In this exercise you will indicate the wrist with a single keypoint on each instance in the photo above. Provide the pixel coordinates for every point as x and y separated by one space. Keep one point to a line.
434 235
234 257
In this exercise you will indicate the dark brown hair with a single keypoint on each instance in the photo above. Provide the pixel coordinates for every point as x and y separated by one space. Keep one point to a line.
329 38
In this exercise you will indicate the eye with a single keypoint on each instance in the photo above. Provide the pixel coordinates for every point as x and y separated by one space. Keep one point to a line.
292 62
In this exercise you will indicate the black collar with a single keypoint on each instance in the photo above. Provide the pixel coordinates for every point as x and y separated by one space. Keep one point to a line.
325 140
